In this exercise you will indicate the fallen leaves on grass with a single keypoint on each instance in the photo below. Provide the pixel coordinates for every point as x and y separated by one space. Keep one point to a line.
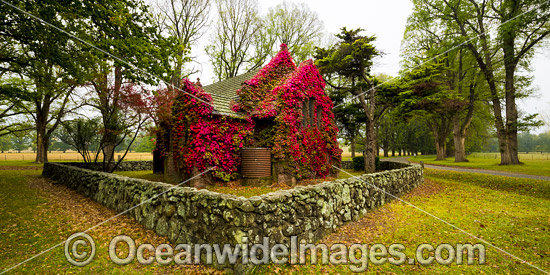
20 167
83 213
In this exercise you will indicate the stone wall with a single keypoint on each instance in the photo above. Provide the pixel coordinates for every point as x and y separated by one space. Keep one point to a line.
188 215
384 165
143 165
347 164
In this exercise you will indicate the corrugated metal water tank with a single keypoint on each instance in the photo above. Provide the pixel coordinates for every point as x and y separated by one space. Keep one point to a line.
256 162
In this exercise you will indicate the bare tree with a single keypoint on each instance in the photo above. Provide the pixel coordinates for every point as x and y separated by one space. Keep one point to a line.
183 22
297 26
238 42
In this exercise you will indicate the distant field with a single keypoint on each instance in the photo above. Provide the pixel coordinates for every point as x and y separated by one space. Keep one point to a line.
522 156
533 163
60 156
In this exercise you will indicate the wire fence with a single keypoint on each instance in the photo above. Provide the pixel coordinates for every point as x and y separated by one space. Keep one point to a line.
68 156
521 155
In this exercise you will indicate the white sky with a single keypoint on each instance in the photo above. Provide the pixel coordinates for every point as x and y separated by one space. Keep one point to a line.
386 19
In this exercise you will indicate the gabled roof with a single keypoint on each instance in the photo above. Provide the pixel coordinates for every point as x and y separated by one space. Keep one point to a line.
226 90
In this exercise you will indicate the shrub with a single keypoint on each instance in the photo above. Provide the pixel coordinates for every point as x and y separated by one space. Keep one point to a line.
359 163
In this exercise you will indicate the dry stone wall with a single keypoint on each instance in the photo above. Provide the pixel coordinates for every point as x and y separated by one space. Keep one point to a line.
142 165
188 215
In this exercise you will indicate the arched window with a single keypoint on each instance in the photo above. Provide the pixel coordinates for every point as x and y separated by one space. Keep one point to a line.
308 113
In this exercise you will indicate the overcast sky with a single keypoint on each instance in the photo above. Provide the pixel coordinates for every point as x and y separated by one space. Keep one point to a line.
387 19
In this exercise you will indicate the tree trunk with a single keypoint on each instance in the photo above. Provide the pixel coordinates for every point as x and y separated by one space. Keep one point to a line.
459 140
352 142
485 63
158 159
41 132
370 135
441 149
41 146
460 130
440 128
370 144
386 145
511 108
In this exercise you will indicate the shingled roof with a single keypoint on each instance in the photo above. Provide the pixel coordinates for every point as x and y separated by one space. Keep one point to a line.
226 90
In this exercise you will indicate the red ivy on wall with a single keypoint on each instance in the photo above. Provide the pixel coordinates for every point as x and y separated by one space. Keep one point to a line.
202 140
277 91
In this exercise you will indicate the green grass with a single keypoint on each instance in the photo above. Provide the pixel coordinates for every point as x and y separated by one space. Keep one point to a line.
30 163
511 213
20 163
507 212
239 191
530 167
33 220
146 175
243 191
346 173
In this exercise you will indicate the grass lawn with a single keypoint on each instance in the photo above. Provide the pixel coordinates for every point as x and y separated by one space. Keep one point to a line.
233 189
146 175
530 167
20 163
244 191
36 215
513 214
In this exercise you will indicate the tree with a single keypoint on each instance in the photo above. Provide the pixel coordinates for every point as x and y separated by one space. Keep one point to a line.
349 115
128 111
239 40
520 26
20 142
391 132
81 134
12 94
352 58
296 26
426 95
57 145
5 143
144 144
126 28
427 39
418 137
182 22
52 71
